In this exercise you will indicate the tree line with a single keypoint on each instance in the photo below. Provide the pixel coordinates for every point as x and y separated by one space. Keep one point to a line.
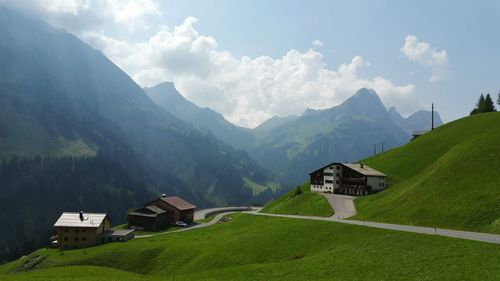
485 104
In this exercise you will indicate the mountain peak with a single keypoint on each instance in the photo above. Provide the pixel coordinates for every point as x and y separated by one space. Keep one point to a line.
365 101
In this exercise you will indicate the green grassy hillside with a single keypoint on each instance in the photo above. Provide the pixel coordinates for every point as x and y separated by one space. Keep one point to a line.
269 248
446 178
308 204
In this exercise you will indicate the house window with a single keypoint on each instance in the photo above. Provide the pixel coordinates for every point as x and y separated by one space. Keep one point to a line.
77 230
66 230
83 230
65 238
338 175
337 182
328 181
338 167
328 174
76 239
84 239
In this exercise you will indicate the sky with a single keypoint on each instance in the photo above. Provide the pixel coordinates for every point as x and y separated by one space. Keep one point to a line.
251 60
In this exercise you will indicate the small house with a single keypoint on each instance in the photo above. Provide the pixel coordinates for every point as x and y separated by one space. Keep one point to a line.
79 230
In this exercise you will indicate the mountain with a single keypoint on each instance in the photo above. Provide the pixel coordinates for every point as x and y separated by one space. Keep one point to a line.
420 120
343 133
272 123
62 99
446 178
293 146
205 119
70 99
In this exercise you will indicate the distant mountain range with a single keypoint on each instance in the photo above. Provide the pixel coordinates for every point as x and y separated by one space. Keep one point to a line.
73 123
62 99
293 146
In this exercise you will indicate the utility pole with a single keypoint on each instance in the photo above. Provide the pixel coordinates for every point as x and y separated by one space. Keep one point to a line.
382 144
432 109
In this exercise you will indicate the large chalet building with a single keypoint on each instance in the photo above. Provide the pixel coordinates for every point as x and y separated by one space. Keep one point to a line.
161 213
347 178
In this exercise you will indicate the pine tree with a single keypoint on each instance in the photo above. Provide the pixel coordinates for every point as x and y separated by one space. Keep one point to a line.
479 106
498 99
489 106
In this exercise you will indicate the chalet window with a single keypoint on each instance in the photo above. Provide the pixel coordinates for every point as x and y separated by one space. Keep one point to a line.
337 182
328 181
328 174
65 238
76 239
66 230
84 239
77 230
83 230
338 175
338 167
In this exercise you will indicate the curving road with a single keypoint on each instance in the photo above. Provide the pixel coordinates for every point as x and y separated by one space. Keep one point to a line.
346 210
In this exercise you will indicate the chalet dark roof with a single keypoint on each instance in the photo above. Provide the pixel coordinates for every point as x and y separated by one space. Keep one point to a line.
177 203
333 163
362 169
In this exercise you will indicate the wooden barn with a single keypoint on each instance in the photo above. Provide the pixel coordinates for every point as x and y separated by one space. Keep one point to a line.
149 218
161 213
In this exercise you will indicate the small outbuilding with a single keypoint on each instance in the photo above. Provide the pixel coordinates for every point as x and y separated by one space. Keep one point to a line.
148 218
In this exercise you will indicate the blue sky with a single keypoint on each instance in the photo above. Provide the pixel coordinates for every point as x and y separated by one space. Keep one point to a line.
284 72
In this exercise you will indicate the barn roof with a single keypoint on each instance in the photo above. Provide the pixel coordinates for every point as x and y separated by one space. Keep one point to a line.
177 203
70 219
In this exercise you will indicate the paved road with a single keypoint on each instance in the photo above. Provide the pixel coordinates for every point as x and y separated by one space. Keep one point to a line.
342 205
203 213
476 236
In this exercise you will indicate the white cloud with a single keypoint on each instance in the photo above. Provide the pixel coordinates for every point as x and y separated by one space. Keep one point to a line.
422 53
245 90
65 6
90 15
317 44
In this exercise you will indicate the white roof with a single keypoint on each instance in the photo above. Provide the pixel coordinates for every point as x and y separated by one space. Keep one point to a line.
367 171
68 219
